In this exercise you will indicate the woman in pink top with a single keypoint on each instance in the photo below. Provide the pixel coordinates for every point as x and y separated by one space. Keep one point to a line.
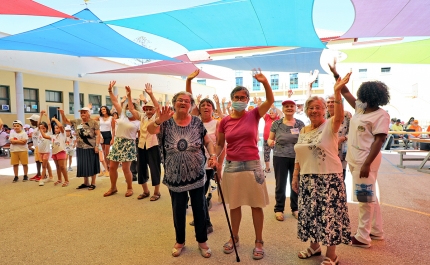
243 178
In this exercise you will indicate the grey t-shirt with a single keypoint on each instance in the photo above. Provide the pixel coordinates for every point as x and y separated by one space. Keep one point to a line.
285 138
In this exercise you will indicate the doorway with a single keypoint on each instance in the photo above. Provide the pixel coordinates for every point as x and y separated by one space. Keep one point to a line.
53 112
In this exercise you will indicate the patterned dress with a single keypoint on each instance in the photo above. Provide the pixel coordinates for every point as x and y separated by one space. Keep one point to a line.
323 212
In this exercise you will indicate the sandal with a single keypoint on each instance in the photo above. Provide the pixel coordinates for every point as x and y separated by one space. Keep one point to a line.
82 186
109 193
206 253
129 193
228 247
143 195
176 252
279 216
57 182
295 214
267 170
92 187
155 197
65 184
328 261
309 252
258 253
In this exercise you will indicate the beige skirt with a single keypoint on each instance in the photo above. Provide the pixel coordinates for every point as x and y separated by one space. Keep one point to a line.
241 188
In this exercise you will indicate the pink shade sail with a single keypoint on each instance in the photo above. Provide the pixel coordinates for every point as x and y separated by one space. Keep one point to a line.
388 18
182 68
30 8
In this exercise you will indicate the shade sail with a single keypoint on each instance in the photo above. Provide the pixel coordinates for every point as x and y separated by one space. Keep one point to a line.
28 7
416 52
233 23
183 68
301 60
388 18
83 37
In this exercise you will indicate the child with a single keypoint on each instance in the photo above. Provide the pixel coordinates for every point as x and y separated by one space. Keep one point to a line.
59 152
70 145
18 149
44 146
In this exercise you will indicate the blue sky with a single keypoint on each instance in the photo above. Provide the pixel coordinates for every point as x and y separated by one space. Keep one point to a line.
337 15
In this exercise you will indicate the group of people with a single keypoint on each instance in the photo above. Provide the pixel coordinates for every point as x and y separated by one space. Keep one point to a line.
411 126
191 142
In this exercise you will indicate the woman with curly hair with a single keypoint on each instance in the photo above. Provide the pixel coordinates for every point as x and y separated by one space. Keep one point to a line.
367 132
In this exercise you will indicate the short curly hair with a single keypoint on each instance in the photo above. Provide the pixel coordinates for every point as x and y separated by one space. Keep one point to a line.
374 93
107 111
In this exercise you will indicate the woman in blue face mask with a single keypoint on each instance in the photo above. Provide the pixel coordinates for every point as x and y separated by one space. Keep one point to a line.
124 147
243 180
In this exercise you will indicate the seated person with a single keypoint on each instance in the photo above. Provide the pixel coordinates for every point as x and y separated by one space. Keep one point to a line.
398 127
416 128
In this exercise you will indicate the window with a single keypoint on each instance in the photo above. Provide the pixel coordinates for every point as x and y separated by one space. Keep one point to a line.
385 70
274 81
31 100
54 96
294 81
72 102
316 83
4 99
109 102
255 85
202 82
239 81
96 101
362 73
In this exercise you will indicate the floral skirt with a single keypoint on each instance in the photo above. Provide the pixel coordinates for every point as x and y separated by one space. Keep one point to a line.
123 150
323 212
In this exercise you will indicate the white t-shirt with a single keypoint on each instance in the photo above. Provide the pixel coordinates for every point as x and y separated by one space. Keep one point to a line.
126 129
105 126
44 144
70 142
18 136
35 136
362 131
3 137
58 142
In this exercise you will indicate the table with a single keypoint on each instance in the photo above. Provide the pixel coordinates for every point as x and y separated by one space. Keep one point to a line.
422 140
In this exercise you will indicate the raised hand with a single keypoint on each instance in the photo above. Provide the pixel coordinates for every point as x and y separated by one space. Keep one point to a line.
333 66
90 105
199 96
193 74
148 88
128 90
142 97
254 100
164 114
61 111
111 85
229 104
223 100
216 99
258 75
313 76
123 99
340 83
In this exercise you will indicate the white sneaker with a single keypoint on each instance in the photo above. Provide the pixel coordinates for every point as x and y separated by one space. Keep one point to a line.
48 180
41 183
69 169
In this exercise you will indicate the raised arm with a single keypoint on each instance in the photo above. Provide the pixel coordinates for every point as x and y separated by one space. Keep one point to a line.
190 77
130 104
265 106
113 98
218 106
338 116
148 90
63 117
164 113
58 123
345 91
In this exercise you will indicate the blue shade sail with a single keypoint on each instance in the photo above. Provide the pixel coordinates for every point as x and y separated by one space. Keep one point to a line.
233 23
84 37
301 60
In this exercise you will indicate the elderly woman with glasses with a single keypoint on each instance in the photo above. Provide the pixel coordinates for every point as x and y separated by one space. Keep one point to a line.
243 178
183 139
323 212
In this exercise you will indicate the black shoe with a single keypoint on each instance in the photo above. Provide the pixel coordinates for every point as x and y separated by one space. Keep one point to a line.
25 178
134 178
192 223
15 179
209 229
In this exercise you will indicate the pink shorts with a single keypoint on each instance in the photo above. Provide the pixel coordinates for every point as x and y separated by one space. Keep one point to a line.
44 156
59 156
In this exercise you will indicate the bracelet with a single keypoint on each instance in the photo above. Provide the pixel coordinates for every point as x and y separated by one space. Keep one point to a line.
337 101
336 77
156 124
214 155
296 168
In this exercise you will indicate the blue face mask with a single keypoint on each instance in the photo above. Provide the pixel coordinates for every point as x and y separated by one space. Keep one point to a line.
128 114
239 105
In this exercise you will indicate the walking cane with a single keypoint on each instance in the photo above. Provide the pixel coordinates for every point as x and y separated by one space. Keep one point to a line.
226 214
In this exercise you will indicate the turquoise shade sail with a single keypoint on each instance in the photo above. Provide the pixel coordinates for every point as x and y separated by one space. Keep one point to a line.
233 23
87 36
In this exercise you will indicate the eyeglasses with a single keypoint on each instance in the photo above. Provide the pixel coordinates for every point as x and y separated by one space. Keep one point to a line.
180 100
241 98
